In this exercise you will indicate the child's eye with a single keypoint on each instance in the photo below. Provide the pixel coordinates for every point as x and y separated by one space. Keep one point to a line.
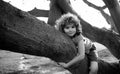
67 27
73 26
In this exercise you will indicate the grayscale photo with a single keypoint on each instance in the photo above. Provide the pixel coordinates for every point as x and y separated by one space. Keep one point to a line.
59 36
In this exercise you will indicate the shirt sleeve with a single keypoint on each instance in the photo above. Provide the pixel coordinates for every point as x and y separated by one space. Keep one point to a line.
88 43
92 56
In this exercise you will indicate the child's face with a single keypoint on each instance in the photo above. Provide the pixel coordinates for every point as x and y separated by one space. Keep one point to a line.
70 30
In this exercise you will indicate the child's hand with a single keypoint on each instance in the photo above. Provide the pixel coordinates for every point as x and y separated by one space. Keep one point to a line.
63 64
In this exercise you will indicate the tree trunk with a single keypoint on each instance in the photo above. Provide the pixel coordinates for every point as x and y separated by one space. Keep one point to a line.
21 32
114 9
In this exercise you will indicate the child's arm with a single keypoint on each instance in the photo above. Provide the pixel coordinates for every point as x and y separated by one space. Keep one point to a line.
93 54
93 67
93 60
80 56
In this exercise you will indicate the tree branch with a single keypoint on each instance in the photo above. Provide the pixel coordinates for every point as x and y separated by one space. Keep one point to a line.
114 9
105 15
108 38
39 13
93 5
22 32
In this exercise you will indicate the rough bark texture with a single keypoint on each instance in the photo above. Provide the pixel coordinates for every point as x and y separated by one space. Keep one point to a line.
21 32
57 8
41 13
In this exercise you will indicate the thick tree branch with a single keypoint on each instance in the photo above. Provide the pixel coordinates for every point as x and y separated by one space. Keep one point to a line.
21 32
39 13
108 38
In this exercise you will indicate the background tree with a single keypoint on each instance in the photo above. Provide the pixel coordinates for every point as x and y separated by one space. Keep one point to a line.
103 13
110 39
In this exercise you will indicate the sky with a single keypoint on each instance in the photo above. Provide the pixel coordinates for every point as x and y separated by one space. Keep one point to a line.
89 14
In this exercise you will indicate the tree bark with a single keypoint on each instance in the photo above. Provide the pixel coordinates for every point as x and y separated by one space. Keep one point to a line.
108 38
37 12
58 8
114 9
21 32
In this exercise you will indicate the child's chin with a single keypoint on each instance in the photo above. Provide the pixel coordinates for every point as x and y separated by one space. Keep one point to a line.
71 35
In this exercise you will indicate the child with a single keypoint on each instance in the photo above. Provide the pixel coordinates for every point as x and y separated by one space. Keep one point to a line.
70 25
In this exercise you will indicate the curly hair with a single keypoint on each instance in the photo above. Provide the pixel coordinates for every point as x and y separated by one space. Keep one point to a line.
67 19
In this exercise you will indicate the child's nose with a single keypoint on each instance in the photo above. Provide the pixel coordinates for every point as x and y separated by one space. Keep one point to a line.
70 28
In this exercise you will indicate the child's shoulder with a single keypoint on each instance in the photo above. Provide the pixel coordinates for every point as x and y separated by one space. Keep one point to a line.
78 38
